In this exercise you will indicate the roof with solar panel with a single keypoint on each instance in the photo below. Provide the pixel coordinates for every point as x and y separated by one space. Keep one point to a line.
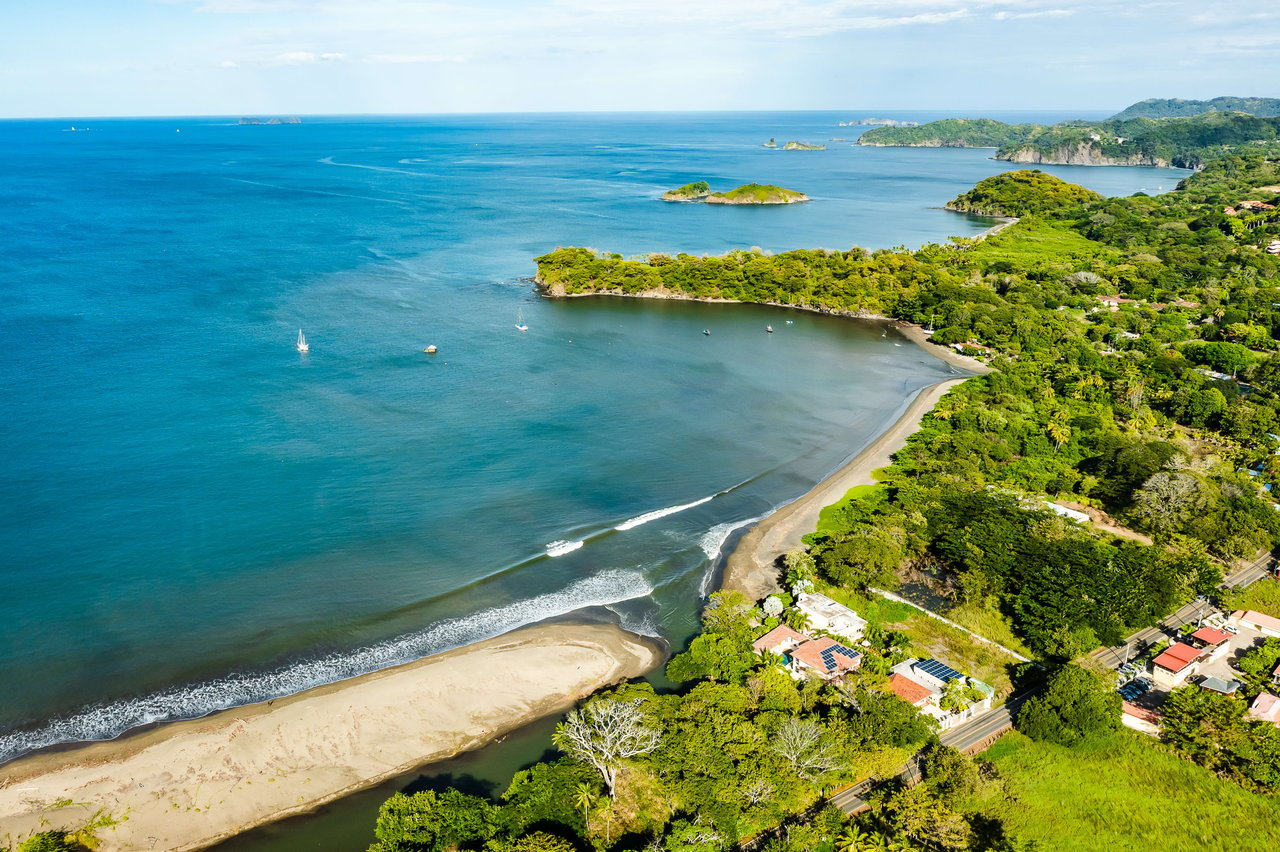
941 671
827 656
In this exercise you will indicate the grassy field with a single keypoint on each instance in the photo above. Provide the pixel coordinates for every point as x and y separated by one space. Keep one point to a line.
932 638
1122 792
1262 596
1032 243
831 519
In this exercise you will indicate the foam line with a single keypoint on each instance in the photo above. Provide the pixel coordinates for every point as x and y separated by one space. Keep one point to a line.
662 513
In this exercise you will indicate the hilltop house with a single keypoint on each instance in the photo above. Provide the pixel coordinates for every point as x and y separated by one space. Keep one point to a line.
779 640
923 684
824 657
825 614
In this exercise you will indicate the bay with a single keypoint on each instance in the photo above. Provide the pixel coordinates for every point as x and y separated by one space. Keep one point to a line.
196 515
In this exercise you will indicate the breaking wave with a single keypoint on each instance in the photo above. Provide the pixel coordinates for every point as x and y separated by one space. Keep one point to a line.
560 548
638 520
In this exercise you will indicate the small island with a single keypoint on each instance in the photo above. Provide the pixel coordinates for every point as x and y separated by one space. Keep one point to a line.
793 145
749 193
291 120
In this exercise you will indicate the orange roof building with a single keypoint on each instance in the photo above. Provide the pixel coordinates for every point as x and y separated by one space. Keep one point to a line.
779 640
908 690
1266 708
827 657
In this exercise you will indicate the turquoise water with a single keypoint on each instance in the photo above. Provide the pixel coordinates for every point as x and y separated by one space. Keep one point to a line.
197 516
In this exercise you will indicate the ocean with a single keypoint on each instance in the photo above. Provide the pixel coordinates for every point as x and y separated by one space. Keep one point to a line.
196 515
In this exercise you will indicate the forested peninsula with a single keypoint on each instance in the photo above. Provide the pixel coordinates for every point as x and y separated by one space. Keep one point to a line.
1182 142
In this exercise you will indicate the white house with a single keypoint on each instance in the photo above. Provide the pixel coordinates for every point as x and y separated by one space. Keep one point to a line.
826 614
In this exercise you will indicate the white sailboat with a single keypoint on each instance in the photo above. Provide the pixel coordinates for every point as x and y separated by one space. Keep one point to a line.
302 343
520 326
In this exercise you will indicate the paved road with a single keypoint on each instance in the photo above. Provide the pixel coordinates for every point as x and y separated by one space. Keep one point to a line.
1194 611
1255 570
974 733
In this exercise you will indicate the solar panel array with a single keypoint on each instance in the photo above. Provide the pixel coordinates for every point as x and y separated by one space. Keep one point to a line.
939 670
829 655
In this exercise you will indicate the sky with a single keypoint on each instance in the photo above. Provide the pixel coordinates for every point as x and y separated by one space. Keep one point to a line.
68 58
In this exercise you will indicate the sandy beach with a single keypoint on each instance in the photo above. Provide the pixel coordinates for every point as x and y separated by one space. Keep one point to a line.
186 785
750 569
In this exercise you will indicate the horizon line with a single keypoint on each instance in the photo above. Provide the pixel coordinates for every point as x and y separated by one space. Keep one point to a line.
285 113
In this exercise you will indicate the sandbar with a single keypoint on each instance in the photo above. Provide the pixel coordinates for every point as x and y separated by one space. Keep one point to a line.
187 785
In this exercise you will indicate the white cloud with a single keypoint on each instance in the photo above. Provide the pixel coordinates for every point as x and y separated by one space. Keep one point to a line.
227 63
306 57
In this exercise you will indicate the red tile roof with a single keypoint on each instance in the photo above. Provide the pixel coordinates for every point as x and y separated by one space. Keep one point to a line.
780 635
907 689
1211 636
1140 713
827 656
1177 657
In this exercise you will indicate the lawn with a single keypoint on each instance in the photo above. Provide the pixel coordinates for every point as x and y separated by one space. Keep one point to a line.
1262 596
1121 792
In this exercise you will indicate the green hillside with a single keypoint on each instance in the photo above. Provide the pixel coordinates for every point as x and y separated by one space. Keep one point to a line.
1179 108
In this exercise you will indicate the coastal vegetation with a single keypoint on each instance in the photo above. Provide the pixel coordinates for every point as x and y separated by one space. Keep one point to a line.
688 192
748 193
952 133
1183 142
1116 409
1022 193
793 145
1179 108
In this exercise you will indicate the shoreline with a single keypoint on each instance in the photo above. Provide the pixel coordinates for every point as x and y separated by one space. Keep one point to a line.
751 568
187 785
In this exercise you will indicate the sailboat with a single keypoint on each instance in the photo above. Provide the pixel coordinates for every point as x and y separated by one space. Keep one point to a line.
302 343
520 326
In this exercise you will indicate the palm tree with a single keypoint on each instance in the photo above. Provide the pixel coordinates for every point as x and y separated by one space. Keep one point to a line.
584 797
853 839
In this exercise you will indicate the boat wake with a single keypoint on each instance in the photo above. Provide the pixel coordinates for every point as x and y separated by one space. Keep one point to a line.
110 720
